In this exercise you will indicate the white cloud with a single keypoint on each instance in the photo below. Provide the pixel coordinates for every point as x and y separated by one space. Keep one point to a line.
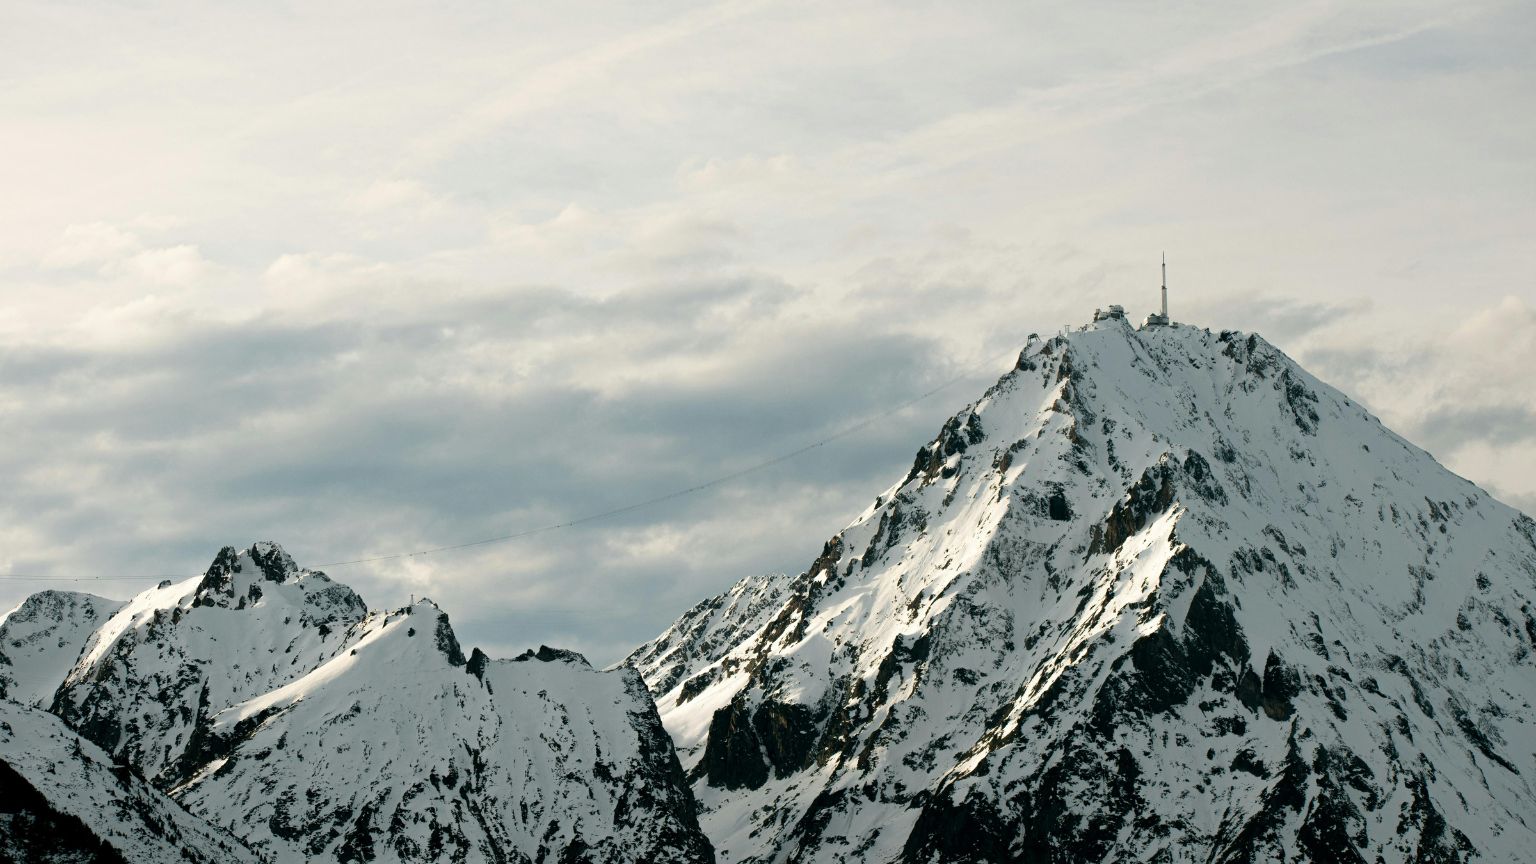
178 266
398 194
91 243
721 173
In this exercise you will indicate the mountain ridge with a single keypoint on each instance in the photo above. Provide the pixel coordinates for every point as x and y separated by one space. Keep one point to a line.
1158 595
268 700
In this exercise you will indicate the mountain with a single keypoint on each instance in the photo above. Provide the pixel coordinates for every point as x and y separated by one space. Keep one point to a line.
41 639
710 630
148 678
65 801
267 699
400 749
1159 595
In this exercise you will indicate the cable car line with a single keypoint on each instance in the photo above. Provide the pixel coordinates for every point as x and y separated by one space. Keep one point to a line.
570 523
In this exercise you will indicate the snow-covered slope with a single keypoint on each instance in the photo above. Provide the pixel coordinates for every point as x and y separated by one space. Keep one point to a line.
398 749
63 800
41 639
150 678
1160 595
268 700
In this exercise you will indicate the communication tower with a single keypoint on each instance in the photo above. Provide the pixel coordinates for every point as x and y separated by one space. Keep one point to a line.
1160 319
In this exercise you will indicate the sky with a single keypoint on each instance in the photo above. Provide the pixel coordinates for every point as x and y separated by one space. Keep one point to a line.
370 278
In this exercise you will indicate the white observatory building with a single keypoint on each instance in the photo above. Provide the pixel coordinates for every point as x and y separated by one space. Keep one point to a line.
1156 319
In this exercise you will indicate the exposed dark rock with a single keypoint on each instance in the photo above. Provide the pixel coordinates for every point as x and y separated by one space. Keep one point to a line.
972 831
1273 693
1248 762
696 685
1438 842
1170 668
216 577
905 651
357 847
956 437
665 792
273 562
837 739
1333 829
1202 480
1078 807
546 654
733 755
477 663
1057 508
787 734
1149 496
448 643
814 822
31 829
1163 674
1477 737
1259 836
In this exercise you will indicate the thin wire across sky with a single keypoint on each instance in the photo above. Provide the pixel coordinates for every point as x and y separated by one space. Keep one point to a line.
569 523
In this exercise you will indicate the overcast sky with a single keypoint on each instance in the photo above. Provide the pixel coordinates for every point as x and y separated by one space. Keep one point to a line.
366 278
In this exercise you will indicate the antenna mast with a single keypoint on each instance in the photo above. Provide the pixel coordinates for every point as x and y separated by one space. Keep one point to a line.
1165 286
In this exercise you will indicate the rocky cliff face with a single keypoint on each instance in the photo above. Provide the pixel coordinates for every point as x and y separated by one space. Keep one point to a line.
64 800
269 701
1159 595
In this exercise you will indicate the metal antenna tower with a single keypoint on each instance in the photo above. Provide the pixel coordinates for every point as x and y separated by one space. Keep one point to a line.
1165 286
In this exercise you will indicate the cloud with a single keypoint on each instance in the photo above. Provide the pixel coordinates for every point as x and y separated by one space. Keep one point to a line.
119 254
92 243
348 438
717 173
369 282
174 266
1289 322
1461 388
1526 503
397 194
1501 424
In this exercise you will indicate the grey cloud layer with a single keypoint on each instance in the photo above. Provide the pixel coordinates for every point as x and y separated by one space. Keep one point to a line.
344 439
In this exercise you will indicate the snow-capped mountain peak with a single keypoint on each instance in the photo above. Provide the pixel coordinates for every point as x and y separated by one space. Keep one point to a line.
1159 594
171 656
